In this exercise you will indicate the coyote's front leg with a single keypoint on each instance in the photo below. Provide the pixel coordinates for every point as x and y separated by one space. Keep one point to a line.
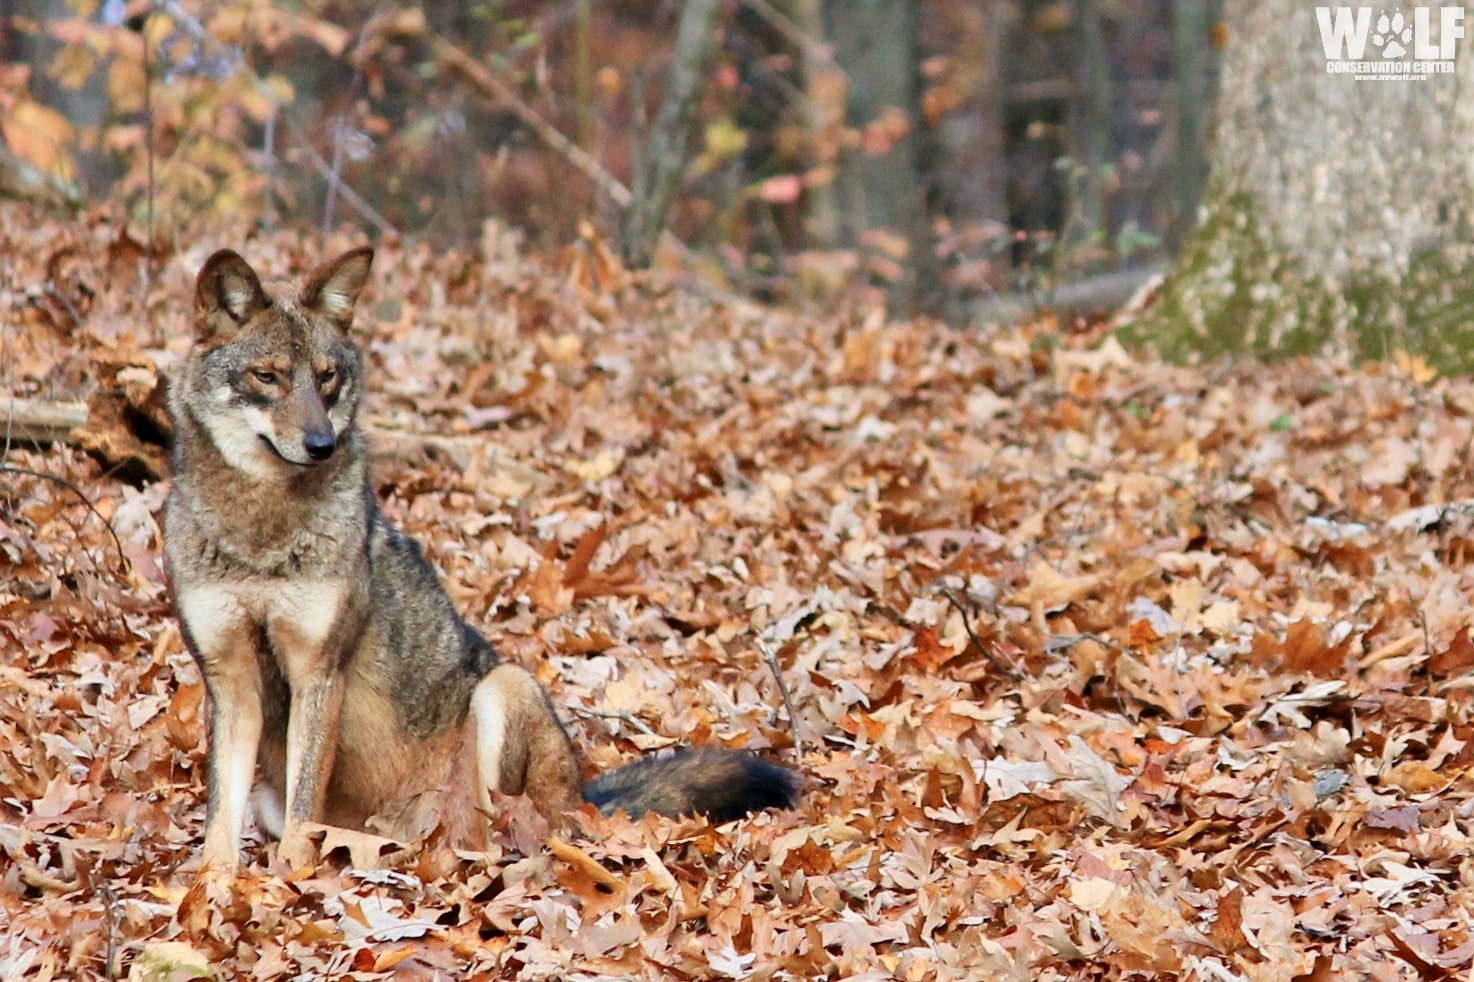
312 634
220 635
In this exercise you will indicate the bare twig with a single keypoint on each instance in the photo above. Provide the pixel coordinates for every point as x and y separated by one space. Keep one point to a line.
1427 649
268 151
1105 292
494 90
792 32
110 905
335 178
1057 641
771 658
340 131
320 164
42 475
583 84
56 294
625 718
40 421
1007 668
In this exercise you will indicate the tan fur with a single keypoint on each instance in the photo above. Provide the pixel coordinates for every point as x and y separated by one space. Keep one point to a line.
535 757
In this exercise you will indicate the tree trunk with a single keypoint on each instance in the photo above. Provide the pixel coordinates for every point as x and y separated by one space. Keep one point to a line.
1093 121
1192 71
884 202
1337 211
824 88
663 159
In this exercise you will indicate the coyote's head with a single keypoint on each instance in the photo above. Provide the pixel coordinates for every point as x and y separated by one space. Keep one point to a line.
274 381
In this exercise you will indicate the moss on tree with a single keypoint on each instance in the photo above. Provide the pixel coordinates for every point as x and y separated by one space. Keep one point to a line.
1232 291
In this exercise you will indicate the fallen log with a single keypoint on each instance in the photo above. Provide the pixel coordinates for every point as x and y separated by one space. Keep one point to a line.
40 421
115 439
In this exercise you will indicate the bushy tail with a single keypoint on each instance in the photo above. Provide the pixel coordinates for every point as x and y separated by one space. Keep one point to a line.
720 784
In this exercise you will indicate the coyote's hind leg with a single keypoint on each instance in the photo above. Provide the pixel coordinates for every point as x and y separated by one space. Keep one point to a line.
521 748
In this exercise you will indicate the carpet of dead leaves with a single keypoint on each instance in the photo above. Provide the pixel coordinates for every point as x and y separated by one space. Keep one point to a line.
1096 667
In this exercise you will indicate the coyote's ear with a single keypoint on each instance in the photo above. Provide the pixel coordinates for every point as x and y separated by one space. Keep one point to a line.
333 287
227 294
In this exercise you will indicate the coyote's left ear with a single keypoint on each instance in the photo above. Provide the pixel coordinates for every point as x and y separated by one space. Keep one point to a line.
333 287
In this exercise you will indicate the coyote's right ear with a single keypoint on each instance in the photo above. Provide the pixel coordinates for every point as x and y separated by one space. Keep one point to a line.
227 294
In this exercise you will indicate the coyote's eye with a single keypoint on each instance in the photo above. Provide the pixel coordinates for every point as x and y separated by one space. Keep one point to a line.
326 376
264 375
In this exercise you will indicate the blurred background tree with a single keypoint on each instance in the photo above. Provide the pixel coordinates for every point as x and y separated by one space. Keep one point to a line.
962 157
1340 210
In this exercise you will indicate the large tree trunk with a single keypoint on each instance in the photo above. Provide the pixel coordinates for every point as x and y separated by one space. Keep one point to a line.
1338 211
884 203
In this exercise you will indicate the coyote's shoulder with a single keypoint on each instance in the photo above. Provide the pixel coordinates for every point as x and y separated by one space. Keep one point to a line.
332 656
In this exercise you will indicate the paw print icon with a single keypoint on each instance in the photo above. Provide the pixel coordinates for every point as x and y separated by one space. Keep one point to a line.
1393 35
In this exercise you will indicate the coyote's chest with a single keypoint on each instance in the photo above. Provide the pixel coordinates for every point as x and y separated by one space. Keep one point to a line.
294 616
220 532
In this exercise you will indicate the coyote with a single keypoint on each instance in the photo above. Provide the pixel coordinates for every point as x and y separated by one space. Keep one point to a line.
331 654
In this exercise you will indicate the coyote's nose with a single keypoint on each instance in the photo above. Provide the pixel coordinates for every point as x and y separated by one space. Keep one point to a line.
319 446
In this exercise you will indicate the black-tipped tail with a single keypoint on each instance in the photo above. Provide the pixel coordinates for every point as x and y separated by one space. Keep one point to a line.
720 784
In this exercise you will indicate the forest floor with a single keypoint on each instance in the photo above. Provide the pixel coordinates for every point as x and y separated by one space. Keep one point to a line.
1098 667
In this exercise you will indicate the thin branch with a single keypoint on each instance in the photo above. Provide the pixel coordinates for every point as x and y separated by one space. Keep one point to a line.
583 84
1105 292
110 905
771 658
41 475
792 32
320 164
1058 641
51 291
268 149
622 717
340 131
148 142
335 178
1009 668
494 90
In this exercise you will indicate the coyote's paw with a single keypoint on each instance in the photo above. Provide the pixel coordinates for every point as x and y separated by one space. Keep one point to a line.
216 887
1392 35
297 850
218 878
